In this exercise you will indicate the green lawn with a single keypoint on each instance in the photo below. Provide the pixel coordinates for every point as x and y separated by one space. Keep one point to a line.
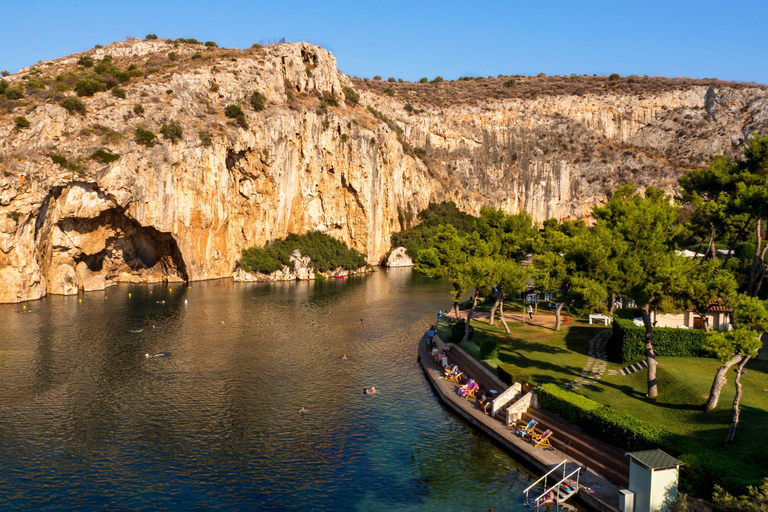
684 385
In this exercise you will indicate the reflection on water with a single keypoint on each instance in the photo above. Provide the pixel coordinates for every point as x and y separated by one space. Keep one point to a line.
87 422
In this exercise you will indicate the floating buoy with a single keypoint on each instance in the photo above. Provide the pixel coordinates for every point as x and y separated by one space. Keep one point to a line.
129 295
105 297
171 289
54 303
24 307
150 292
80 301
190 287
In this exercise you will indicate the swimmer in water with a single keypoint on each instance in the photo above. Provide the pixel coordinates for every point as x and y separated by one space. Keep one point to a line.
373 390
365 391
161 354
302 410
344 358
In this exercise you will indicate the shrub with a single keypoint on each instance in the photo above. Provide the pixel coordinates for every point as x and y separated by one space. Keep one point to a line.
5 72
509 83
424 80
205 139
3 86
326 254
21 122
173 56
150 37
98 46
14 216
489 349
138 109
144 136
73 105
377 77
457 332
391 79
389 92
131 72
105 156
86 61
34 84
197 55
211 44
419 237
258 101
351 95
172 130
400 81
188 40
509 373
14 93
118 92
236 113
614 77
437 80
628 345
90 84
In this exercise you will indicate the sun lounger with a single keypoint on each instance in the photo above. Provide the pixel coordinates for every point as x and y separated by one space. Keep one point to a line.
541 439
528 430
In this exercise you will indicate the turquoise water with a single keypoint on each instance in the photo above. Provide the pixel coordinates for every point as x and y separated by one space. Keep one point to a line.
88 422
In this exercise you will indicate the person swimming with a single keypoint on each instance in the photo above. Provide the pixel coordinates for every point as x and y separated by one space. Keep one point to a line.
365 391
373 390
161 354
302 410
344 358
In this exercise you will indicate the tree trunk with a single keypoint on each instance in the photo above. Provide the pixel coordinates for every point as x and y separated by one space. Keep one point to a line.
496 303
469 316
456 309
757 260
712 250
613 303
705 321
736 399
650 357
761 273
501 314
720 381
558 316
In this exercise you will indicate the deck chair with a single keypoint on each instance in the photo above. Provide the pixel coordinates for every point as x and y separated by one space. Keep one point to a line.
528 430
541 439
471 390
457 378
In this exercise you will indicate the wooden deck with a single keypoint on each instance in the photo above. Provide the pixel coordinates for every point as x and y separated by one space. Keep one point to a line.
606 494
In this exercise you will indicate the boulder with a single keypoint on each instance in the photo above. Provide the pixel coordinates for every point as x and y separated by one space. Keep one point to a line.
95 282
399 258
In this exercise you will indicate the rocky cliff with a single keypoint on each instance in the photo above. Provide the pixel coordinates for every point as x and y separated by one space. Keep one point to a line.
184 205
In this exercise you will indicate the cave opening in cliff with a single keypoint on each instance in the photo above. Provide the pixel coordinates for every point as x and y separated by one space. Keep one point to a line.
124 246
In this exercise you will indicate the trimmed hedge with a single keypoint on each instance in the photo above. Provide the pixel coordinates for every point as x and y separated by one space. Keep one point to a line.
457 332
489 349
627 344
702 467
509 373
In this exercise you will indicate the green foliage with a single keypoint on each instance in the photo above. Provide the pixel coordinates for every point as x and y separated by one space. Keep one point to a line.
509 373
86 61
5 72
173 56
258 101
3 86
138 109
62 161
326 254
14 93
211 44
236 113
150 37
423 80
144 137
97 46
614 77
627 344
756 499
489 349
418 237
172 130
205 139
14 216
104 156
34 84
351 95
118 92
197 55
73 105
21 122
377 77
188 40
457 332
437 80
90 84
509 83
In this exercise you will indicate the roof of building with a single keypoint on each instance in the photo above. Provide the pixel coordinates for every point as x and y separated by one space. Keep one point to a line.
655 459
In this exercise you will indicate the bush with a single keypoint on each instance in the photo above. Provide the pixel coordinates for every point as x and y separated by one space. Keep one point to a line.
418 237
457 332
173 56
197 55
138 109
21 122
509 83
489 349
86 61
627 344
351 95
144 137
205 139
509 373
14 93
437 80
90 84
326 254
377 77
105 156
150 37
172 130
258 101
211 44
34 84
391 79
424 80
3 86
614 77
73 105
118 92
236 113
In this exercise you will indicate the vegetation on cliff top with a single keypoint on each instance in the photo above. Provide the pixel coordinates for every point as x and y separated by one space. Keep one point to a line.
326 254
418 237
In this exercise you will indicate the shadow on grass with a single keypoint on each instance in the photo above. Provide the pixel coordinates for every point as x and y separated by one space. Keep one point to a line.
577 339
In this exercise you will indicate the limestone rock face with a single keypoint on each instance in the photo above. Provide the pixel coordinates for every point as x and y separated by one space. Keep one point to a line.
399 258
185 209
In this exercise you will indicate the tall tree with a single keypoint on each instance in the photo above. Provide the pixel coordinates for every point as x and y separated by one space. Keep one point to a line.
643 230
750 319
709 286
446 257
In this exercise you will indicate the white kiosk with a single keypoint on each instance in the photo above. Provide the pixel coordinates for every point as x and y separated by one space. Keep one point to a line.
653 477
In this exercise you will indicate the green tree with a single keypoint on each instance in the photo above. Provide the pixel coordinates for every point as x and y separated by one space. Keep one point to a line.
756 499
709 286
643 230
750 320
446 257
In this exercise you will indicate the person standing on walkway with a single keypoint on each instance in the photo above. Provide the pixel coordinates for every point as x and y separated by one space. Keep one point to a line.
530 312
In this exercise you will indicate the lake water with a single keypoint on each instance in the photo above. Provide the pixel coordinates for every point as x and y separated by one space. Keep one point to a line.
88 422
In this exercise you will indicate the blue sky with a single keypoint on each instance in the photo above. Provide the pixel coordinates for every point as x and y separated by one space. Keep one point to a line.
726 39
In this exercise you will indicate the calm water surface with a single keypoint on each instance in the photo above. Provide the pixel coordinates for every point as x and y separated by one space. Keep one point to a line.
87 422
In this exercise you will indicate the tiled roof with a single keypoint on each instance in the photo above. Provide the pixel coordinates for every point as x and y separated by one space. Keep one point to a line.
655 459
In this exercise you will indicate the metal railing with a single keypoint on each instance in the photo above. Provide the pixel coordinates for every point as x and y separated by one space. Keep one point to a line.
560 494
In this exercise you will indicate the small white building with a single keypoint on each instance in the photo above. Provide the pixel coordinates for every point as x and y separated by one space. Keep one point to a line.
653 478
718 318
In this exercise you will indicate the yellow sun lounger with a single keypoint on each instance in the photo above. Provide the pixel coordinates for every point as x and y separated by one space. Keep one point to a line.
541 439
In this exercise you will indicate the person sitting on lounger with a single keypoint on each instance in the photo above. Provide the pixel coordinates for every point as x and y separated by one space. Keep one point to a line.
450 372
467 388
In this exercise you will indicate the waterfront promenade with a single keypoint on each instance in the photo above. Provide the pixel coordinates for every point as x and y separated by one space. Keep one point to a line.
605 497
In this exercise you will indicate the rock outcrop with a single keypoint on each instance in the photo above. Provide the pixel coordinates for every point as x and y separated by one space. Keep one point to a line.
398 258
184 207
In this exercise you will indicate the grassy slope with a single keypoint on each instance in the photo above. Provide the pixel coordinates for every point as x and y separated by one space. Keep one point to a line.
683 383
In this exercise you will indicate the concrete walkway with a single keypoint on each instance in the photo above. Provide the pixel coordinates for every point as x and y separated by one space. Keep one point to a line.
484 316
